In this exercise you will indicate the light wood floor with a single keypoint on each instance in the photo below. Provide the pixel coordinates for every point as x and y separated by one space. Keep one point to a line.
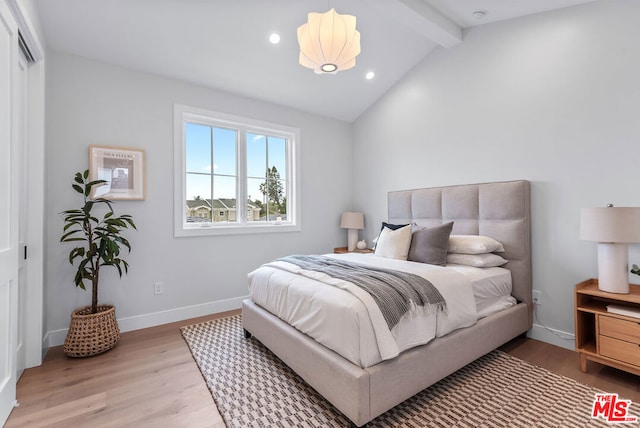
150 380
567 363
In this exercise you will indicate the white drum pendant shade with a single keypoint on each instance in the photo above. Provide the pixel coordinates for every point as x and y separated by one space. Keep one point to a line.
329 42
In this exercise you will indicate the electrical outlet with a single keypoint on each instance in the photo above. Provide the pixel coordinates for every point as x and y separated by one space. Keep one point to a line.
158 288
537 297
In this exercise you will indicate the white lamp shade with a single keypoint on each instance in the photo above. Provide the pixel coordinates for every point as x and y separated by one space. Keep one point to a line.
352 220
329 42
610 224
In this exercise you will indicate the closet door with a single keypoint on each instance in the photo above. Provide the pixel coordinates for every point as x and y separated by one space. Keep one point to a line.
8 212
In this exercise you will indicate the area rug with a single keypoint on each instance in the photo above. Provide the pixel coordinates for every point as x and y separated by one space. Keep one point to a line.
253 388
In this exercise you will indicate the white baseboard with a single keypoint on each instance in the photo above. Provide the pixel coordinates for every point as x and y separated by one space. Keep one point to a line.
56 337
555 337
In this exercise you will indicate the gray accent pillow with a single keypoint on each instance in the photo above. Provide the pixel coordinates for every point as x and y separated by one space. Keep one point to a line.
430 245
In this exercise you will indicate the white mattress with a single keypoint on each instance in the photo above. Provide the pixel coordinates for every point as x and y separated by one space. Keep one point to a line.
340 321
491 288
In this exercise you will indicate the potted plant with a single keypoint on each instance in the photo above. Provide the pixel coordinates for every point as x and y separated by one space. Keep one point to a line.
94 329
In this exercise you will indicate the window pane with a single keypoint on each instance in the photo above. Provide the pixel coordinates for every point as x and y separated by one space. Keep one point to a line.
224 151
198 185
267 191
256 155
285 201
224 199
198 148
256 198
198 206
268 195
277 147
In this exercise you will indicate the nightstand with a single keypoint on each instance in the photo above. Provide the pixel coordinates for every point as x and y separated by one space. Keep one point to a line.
342 250
606 337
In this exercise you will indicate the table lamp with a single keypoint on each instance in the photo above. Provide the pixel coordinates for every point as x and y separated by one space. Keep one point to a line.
613 228
352 221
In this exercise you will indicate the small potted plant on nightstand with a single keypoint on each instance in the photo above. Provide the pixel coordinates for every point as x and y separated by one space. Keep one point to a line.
94 329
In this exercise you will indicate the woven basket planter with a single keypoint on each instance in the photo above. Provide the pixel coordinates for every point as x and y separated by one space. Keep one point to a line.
92 334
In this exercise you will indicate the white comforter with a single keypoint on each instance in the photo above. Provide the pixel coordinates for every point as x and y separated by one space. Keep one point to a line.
345 319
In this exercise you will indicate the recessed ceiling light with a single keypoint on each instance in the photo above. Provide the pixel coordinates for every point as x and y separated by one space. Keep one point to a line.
370 75
479 14
274 38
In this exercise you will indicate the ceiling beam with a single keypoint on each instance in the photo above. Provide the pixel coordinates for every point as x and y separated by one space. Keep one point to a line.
423 19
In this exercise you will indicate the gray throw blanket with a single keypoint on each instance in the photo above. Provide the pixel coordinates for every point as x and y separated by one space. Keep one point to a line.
393 291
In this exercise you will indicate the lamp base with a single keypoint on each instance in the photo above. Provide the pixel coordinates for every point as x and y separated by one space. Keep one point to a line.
613 266
352 239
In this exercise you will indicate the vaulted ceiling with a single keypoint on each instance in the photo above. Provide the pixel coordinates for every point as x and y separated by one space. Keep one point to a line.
224 44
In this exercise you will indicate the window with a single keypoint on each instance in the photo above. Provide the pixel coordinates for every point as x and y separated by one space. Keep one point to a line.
233 174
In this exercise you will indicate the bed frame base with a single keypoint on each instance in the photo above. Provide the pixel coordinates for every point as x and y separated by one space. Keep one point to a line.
362 394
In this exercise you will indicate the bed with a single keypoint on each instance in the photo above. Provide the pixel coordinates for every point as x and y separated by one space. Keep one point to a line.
500 210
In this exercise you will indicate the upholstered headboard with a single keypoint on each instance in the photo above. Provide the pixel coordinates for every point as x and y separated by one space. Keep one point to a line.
500 210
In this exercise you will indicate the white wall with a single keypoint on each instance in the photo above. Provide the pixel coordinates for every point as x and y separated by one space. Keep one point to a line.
553 98
92 103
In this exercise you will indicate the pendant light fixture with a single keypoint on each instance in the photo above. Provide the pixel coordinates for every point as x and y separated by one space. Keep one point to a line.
329 42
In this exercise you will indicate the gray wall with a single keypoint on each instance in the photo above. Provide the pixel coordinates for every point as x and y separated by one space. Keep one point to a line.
553 98
92 103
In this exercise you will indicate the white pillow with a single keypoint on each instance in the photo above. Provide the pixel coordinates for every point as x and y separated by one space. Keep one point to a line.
476 260
474 244
394 244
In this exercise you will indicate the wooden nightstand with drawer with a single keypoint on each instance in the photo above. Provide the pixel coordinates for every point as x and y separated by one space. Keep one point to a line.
604 336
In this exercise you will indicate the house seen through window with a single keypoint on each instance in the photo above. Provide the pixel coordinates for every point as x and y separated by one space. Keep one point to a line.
235 173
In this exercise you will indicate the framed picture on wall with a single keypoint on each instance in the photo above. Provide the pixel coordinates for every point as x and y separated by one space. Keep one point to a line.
123 170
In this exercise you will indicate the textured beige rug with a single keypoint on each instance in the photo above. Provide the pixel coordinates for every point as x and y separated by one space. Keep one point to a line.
253 388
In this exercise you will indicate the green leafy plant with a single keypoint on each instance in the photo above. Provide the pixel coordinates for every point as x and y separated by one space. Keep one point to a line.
101 238
635 269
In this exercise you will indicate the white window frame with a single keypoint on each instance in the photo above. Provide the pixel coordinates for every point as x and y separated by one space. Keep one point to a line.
184 114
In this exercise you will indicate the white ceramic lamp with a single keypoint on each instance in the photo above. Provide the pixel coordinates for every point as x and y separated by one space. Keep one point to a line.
352 222
613 228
